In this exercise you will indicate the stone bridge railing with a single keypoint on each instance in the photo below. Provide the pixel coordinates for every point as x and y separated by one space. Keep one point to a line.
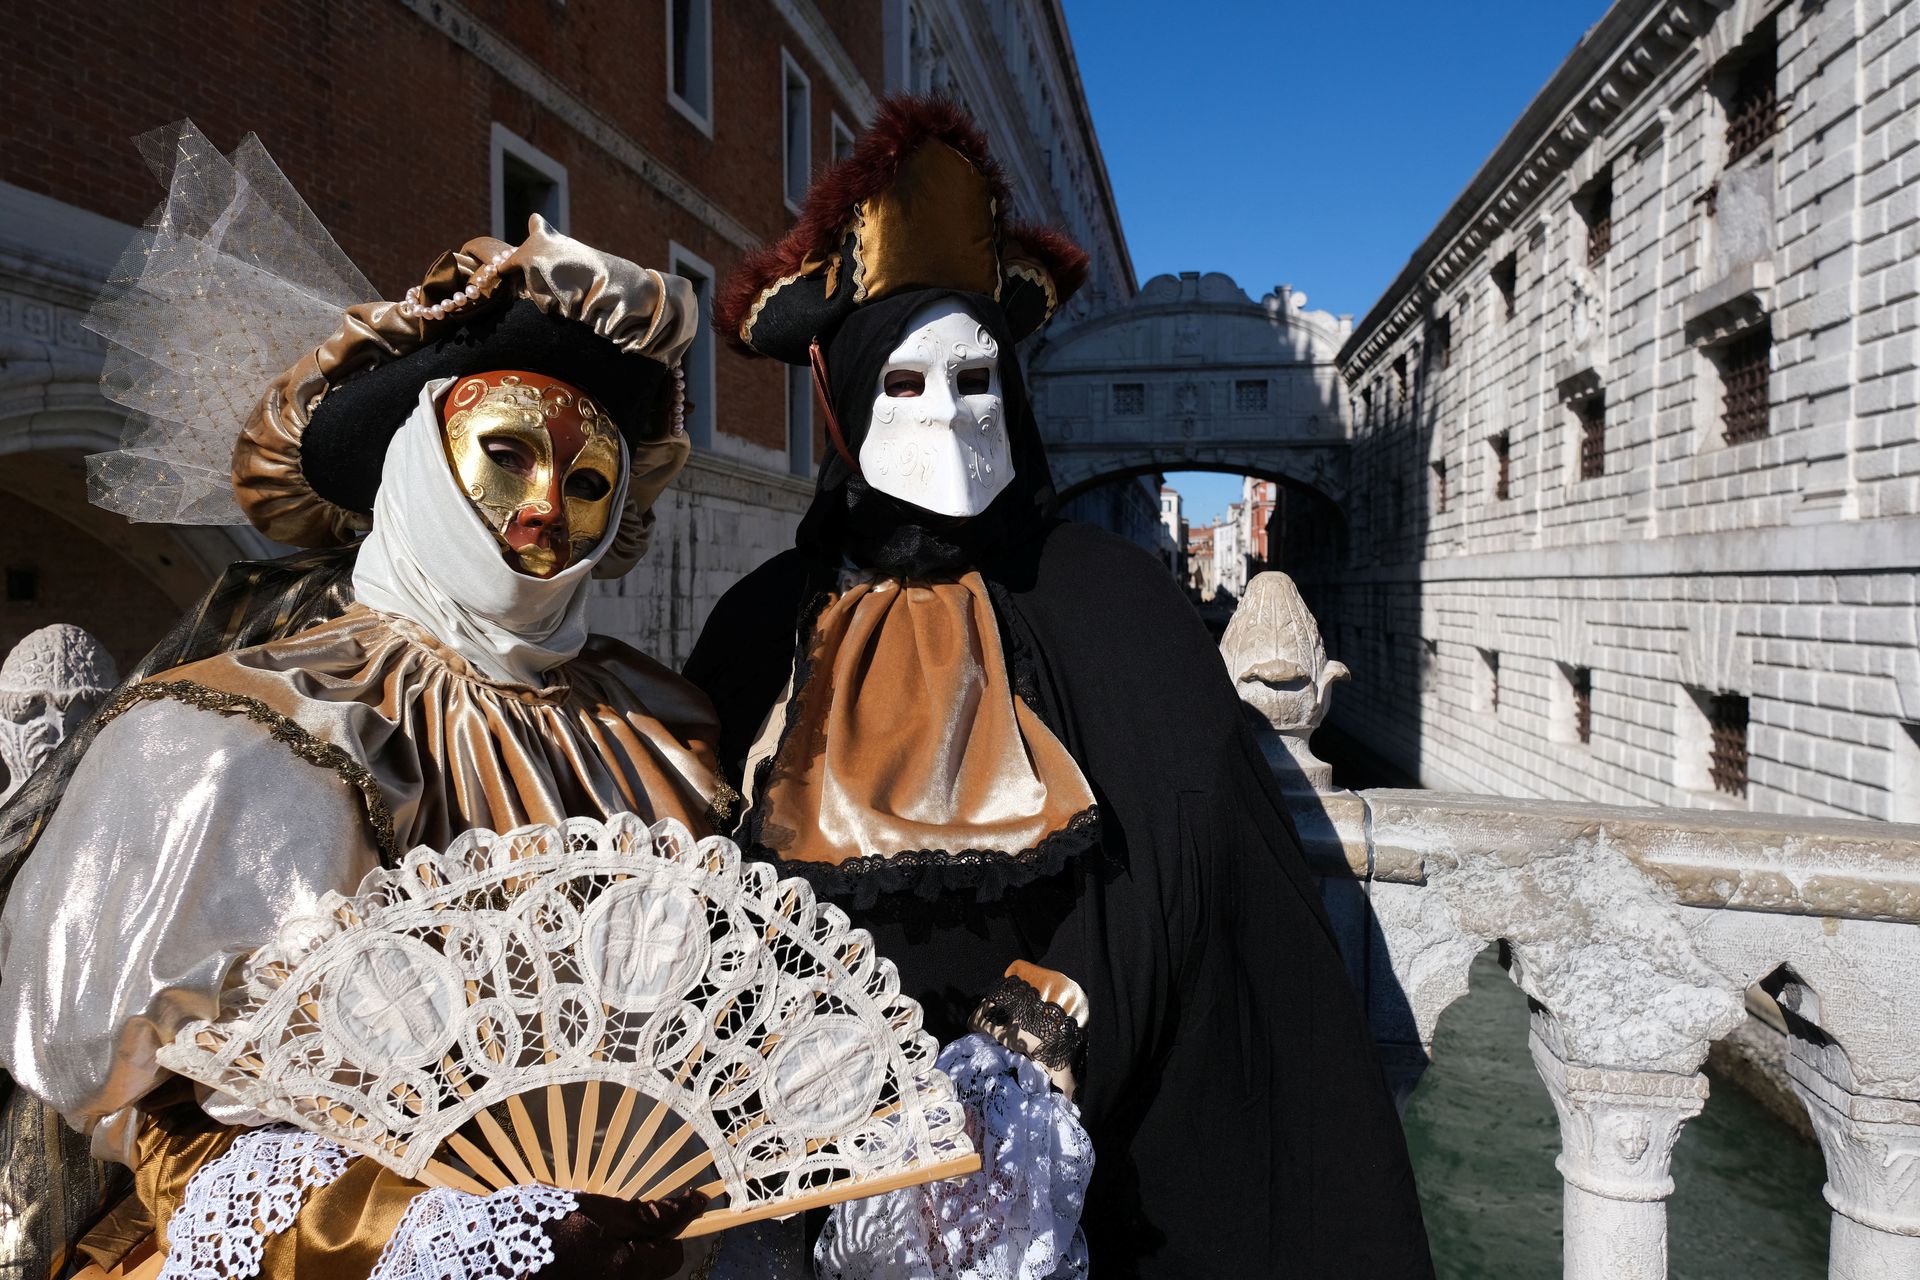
1636 934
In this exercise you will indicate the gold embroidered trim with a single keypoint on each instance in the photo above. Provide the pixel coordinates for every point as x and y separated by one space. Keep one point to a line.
1026 272
282 729
760 302
722 805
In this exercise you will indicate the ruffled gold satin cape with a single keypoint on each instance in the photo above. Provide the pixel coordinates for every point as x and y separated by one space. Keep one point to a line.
904 738
432 750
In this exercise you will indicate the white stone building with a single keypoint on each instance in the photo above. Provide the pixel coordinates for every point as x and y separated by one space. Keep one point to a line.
1635 486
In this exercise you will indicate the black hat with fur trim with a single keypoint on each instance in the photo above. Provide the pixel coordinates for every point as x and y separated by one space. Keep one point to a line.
920 204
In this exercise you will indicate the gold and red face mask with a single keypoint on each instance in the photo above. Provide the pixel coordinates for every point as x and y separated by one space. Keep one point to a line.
538 459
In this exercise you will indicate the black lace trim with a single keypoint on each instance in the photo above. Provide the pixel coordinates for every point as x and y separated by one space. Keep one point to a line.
1018 1004
986 874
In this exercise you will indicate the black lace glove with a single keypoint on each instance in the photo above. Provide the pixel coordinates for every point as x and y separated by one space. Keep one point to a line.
607 1238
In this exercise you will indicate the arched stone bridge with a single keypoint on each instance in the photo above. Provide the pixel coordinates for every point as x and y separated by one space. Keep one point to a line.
1193 375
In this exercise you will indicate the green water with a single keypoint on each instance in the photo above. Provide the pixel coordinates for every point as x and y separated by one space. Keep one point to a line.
1483 1137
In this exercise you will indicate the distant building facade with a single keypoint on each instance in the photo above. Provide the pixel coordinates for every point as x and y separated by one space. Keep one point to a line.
680 133
1634 510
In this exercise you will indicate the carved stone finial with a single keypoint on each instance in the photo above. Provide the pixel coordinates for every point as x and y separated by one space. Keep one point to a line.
1273 653
52 680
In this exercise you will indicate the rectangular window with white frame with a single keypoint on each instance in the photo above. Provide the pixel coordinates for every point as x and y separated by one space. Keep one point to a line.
800 420
526 181
697 364
796 114
842 139
690 60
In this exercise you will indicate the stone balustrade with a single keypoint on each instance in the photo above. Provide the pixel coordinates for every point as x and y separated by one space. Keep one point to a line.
1636 934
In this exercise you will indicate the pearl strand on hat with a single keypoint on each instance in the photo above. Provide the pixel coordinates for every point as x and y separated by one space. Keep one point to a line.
415 304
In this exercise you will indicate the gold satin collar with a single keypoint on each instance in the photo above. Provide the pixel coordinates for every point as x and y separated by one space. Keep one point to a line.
450 750
905 736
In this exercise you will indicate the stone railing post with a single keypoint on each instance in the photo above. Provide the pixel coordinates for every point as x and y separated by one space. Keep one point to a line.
1273 652
1617 1131
1871 1140
50 1186
50 682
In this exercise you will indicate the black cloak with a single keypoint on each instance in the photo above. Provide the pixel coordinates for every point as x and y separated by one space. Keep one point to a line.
1241 1123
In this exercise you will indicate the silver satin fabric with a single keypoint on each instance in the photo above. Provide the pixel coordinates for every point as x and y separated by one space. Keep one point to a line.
184 839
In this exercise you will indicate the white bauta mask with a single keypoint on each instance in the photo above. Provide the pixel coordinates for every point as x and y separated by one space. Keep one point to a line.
938 434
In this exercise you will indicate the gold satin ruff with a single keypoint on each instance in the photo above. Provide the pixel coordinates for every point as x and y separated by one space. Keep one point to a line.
451 751
907 735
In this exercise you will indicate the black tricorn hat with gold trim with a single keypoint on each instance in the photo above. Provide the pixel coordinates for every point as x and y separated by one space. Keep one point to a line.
920 204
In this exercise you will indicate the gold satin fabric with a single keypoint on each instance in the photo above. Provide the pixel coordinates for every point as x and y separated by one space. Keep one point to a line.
341 1227
451 750
934 226
907 735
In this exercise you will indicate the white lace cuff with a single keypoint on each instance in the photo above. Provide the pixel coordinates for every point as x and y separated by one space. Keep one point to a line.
1016 1219
454 1235
252 1191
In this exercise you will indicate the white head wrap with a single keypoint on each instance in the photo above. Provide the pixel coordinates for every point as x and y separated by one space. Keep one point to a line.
432 560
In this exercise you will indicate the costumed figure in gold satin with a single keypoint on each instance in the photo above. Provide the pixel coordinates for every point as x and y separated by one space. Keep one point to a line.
1007 745
479 452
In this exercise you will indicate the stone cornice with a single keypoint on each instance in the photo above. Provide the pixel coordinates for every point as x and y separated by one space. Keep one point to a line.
1608 73
1888 545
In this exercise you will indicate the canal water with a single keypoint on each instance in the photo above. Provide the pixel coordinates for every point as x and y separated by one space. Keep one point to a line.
1483 1137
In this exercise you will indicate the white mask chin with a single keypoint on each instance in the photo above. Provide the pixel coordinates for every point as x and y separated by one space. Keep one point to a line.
938 438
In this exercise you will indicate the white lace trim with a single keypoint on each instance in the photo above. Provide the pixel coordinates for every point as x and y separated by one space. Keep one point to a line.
1017 1219
454 1235
233 1203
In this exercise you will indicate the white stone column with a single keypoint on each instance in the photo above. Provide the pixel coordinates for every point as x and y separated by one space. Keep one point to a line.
1617 1130
1872 1149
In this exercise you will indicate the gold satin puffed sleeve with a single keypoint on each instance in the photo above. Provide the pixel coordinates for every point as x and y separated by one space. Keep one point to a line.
1041 1013
341 1227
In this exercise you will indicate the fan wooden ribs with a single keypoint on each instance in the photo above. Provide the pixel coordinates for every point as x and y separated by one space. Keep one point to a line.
606 1007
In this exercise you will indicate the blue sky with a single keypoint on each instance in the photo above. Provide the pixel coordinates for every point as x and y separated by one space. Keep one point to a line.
1306 143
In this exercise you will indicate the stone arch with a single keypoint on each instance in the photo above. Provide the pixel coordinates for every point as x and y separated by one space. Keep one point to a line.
1193 374
122 581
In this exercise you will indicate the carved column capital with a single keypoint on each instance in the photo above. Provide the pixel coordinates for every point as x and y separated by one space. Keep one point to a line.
1872 1150
1617 1125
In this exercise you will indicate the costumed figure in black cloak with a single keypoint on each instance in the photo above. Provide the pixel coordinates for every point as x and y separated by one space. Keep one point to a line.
1007 745
481 449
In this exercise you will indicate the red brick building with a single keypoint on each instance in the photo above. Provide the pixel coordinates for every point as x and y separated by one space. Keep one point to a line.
679 133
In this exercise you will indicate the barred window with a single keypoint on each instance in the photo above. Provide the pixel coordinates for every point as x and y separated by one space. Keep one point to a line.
1593 436
1744 368
1599 216
1582 680
1400 376
1129 399
1493 677
1753 106
1506 278
1440 485
1503 467
1250 395
1442 342
1366 406
1727 766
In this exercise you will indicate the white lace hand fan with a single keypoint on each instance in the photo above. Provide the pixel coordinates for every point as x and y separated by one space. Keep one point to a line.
604 1007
